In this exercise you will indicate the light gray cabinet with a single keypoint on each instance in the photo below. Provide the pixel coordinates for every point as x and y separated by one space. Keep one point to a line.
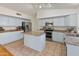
3 20
78 23
58 37
72 50
71 20
41 22
59 21
14 21
11 21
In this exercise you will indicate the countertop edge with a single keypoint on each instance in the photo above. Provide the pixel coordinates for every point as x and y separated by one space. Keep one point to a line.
34 34
12 31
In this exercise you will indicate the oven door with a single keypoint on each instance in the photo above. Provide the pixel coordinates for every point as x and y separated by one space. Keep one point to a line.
48 35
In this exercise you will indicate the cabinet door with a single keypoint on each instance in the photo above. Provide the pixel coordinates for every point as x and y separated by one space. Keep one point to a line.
59 21
41 23
72 50
71 20
58 36
12 21
66 21
15 21
19 22
3 20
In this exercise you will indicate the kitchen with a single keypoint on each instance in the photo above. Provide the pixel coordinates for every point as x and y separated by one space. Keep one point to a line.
50 27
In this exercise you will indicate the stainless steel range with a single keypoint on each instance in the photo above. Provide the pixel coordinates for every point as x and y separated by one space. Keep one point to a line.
49 30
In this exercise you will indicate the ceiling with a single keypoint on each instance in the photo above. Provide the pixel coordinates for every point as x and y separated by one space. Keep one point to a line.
31 8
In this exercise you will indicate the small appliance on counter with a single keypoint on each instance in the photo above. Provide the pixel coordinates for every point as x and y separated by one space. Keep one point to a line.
19 28
1 29
26 26
72 30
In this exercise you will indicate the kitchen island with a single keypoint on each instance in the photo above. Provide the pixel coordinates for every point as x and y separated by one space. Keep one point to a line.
35 40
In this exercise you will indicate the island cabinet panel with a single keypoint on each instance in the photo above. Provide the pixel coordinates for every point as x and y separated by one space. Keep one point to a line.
58 37
35 42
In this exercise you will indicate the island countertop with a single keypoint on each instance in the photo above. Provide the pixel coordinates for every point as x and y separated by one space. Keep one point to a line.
34 33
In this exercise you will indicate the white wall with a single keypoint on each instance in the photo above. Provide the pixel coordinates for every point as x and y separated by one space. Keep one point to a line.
10 12
43 13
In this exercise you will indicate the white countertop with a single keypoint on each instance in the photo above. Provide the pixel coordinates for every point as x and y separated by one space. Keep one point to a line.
72 40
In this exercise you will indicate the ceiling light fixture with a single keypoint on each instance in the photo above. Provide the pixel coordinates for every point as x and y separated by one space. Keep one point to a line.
40 6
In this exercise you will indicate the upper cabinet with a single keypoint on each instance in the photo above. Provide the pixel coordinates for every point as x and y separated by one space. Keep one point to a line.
3 20
78 21
71 20
59 21
41 22
14 22
67 20
11 21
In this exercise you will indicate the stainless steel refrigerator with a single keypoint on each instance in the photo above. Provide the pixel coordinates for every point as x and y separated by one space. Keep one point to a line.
26 26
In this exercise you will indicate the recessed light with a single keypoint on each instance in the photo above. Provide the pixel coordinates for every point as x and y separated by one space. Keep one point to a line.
40 6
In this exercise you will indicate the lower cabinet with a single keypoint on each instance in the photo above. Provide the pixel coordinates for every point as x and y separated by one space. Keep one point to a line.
58 37
72 50
8 37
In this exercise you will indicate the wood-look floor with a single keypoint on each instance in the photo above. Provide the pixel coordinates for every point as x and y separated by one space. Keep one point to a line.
52 49
4 51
